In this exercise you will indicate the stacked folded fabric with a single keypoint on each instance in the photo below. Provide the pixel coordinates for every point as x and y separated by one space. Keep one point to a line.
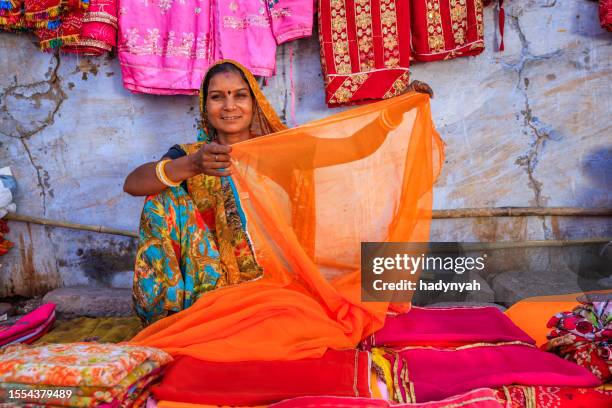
79 374
336 373
432 354
30 327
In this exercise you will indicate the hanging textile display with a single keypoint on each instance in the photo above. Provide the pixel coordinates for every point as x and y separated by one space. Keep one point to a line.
91 32
166 47
30 14
87 27
365 49
605 14
445 29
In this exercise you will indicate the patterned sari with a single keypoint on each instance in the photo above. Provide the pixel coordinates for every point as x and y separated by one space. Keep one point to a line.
194 240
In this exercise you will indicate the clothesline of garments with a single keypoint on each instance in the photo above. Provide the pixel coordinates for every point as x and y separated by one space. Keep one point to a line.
166 46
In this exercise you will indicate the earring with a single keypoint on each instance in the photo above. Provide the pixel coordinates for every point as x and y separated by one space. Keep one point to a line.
208 131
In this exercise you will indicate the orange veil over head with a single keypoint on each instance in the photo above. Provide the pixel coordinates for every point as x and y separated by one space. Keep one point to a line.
369 177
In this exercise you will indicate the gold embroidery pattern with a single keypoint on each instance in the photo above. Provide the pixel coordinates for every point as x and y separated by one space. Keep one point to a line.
388 20
479 22
88 42
363 22
348 88
242 23
100 17
398 86
434 26
339 26
458 15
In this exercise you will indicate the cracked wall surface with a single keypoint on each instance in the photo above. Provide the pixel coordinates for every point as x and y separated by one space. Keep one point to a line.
526 127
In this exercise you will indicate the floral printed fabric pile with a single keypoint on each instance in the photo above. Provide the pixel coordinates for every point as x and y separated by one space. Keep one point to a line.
79 374
584 336
86 27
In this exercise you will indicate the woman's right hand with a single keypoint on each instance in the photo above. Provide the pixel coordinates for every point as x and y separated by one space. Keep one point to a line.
212 159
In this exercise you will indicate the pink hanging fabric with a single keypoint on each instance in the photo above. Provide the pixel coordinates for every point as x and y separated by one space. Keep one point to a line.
166 46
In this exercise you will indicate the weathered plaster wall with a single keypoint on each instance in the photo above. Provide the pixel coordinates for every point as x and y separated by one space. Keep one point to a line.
526 127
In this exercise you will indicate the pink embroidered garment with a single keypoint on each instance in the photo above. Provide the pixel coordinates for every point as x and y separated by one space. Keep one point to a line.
446 327
428 374
166 46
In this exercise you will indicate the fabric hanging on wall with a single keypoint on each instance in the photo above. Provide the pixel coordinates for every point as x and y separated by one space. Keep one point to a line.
98 30
605 14
365 49
87 27
166 47
31 14
68 30
445 29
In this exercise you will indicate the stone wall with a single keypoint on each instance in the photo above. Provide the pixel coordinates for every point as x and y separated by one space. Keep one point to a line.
526 127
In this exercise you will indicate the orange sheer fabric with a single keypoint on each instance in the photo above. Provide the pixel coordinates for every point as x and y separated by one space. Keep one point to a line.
372 170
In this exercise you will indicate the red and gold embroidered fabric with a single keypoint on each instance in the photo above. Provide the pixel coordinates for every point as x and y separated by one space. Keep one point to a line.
365 49
605 14
445 29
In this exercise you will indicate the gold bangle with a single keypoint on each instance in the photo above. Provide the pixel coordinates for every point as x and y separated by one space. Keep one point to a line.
160 171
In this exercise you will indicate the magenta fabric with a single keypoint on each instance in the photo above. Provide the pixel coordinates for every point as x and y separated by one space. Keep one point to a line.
29 326
446 327
481 398
166 46
436 373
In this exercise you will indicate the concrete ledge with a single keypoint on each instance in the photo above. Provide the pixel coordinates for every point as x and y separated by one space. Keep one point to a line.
91 302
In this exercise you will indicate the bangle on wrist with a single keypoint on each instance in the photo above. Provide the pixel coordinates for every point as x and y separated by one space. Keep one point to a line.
160 171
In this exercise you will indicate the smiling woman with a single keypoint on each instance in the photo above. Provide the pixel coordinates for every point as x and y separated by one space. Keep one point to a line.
192 229
193 235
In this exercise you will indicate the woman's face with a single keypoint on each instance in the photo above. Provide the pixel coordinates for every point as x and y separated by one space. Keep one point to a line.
229 105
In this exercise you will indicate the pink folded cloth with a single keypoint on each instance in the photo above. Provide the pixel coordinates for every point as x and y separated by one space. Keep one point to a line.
446 327
430 374
30 327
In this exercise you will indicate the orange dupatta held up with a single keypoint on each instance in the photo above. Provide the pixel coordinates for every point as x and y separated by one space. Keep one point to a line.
372 170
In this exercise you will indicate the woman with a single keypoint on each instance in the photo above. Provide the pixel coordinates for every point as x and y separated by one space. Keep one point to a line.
193 231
